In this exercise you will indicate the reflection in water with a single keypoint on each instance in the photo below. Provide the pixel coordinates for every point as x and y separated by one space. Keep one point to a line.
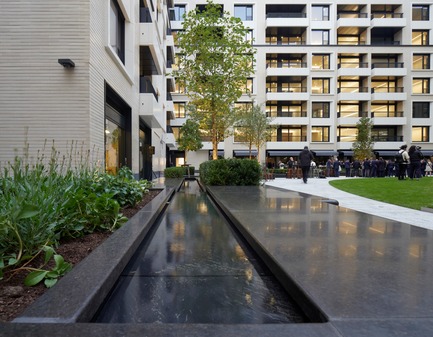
194 270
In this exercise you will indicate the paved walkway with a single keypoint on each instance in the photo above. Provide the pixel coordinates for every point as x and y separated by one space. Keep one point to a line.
322 188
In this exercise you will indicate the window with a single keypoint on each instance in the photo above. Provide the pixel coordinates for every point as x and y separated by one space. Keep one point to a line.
179 11
420 13
244 12
349 109
320 133
421 109
249 36
117 131
320 109
320 13
420 38
286 109
285 133
320 86
346 134
320 61
384 134
320 37
421 61
117 30
385 109
420 133
179 109
248 87
420 85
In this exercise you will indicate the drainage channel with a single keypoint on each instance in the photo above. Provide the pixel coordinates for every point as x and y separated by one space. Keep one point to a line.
194 268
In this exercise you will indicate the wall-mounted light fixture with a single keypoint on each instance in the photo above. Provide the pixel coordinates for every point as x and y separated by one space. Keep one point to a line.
67 63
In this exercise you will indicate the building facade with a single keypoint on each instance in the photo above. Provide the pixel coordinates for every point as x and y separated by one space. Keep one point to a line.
322 65
89 76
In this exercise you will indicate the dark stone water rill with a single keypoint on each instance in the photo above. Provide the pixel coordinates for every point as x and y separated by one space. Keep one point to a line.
193 269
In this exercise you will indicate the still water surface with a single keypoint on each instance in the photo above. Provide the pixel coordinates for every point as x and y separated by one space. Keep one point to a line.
193 269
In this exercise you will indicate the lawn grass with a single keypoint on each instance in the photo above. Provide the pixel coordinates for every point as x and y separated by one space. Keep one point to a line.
407 193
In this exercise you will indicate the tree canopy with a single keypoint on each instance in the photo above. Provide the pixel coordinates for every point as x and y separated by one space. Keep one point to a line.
363 146
215 60
254 127
189 137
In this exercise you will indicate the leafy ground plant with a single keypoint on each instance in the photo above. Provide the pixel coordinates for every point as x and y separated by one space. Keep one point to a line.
48 201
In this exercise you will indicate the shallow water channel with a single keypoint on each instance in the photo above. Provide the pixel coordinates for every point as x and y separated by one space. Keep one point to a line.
193 268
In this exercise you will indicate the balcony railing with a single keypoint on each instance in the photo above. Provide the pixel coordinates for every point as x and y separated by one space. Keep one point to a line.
387 114
146 87
352 15
387 90
290 114
383 42
285 15
286 90
386 15
290 139
387 138
387 65
352 114
353 65
352 90
286 64
169 96
287 43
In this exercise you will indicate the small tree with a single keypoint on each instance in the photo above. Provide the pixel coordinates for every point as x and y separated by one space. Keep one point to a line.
189 137
254 127
215 60
363 146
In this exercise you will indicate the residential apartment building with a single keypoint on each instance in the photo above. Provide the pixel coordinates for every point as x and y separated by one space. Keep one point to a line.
88 75
322 65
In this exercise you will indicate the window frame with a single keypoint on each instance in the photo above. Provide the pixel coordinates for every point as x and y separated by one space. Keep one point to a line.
245 16
325 108
117 32
324 131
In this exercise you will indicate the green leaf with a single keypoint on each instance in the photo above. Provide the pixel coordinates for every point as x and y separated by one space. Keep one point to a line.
12 261
49 252
50 282
59 260
35 277
27 211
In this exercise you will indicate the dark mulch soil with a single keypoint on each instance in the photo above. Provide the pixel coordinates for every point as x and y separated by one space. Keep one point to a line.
15 296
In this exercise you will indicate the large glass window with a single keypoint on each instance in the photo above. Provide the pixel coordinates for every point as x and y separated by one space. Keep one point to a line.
421 61
179 11
320 133
320 61
320 86
320 109
420 13
179 109
286 133
117 30
347 134
385 109
248 87
244 12
320 13
420 37
421 109
420 133
320 37
420 85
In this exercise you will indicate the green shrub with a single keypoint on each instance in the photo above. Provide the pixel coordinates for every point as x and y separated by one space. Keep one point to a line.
174 172
179 171
226 172
43 203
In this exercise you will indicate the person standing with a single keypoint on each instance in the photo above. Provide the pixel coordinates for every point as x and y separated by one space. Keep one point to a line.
402 163
415 156
305 158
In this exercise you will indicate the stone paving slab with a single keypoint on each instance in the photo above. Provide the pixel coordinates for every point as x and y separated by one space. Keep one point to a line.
354 266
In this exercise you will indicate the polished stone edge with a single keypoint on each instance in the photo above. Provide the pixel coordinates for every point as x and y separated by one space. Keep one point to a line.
79 294
291 286
179 330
